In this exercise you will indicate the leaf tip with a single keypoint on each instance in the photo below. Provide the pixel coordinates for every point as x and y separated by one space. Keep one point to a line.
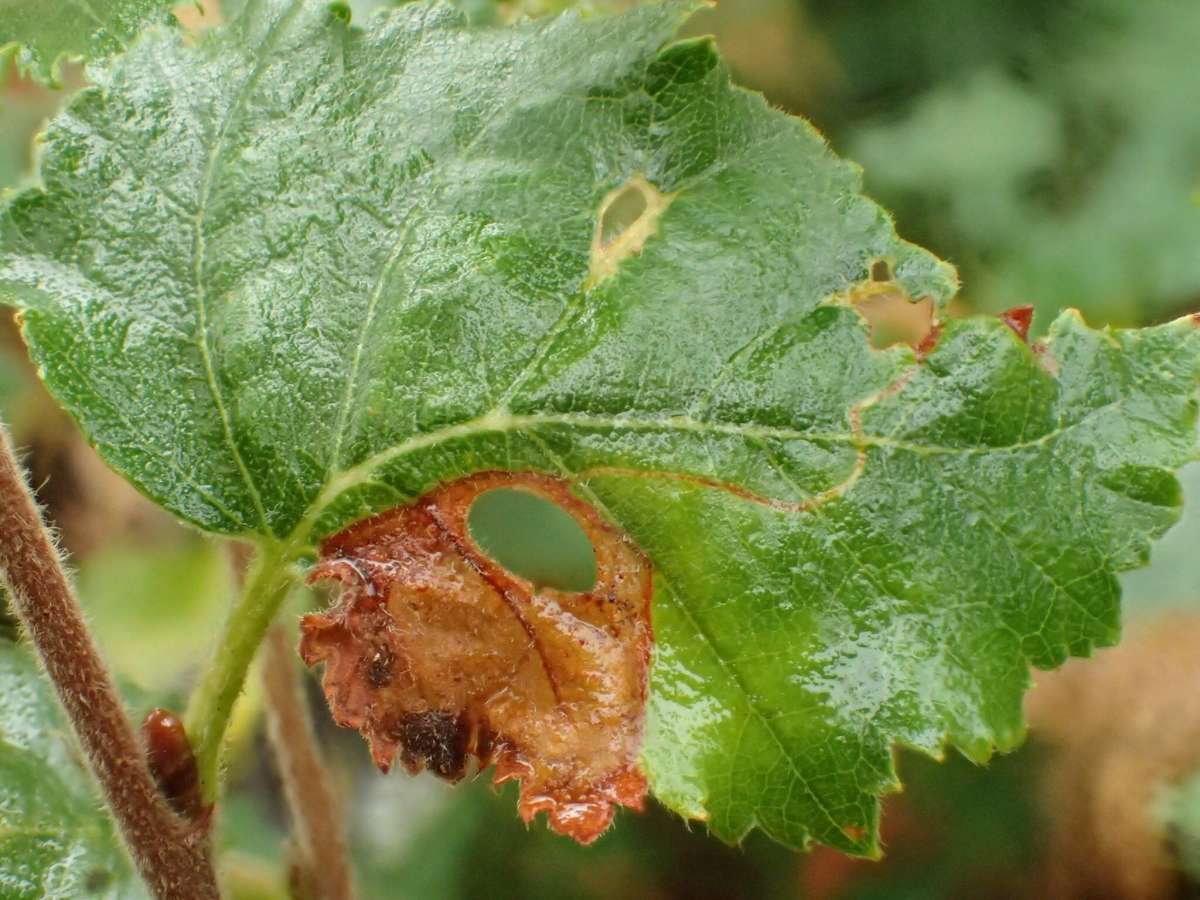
1019 318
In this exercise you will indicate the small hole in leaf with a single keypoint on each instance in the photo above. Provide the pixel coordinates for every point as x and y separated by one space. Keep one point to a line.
534 539
621 212
197 17
881 270
627 218
895 319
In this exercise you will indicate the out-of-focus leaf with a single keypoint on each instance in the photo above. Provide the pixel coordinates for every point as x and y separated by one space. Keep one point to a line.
1178 810
892 52
151 607
1071 185
643 857
958 830
55 839
252 851
948 145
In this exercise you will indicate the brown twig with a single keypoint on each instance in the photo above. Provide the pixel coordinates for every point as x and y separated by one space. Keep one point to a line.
172 854
321 866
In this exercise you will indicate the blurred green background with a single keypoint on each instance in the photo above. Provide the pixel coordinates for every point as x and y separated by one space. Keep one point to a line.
1052 152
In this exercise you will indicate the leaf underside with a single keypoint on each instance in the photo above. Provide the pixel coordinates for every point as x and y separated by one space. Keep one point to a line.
55 840
302 272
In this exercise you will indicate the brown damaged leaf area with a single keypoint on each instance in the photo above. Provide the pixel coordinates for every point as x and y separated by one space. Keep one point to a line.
437 653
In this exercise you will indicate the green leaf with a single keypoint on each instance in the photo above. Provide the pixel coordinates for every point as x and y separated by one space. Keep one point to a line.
456 215
301 272
42 34
55 839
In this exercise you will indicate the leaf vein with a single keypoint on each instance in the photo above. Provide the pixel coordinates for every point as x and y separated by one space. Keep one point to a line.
198 253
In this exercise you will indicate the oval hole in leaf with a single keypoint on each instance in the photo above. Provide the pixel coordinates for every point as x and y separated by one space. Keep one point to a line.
622 211
627 218
533 538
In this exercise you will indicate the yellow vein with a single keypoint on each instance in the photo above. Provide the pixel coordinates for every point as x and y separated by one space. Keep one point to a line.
502 421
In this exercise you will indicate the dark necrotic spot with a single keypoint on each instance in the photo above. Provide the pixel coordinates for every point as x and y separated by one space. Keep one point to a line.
436 740
485 744
379 668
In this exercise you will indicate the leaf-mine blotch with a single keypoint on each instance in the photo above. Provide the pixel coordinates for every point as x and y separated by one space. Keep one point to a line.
441 656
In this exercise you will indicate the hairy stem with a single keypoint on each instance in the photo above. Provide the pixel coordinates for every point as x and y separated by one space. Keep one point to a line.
208 712
172 855
321 856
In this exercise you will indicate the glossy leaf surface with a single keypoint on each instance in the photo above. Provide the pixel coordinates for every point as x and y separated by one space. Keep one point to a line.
299 273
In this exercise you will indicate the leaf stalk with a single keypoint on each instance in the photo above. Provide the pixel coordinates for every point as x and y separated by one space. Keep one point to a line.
173 855
211 705
320 855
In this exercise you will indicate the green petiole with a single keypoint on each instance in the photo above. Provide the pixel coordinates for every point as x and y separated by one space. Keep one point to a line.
267 585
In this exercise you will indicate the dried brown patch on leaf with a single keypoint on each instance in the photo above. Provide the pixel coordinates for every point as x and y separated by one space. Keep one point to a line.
438 654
